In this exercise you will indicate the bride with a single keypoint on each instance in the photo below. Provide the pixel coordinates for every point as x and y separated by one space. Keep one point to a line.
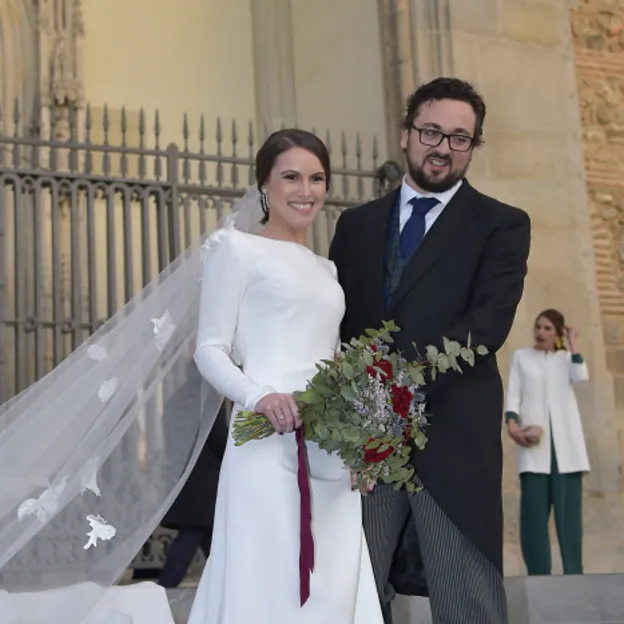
92 455
278 314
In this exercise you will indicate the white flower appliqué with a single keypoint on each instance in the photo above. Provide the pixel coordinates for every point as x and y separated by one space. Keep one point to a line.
163 329
97 352
100 529
45 506
89 478
108 389
215 239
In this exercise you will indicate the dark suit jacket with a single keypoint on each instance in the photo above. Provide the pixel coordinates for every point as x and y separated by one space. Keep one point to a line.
466 276
195 505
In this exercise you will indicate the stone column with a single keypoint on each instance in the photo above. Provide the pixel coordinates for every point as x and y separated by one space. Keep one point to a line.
18 63
416 47
273 65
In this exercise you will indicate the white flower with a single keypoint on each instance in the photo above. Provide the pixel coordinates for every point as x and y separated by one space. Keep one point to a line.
97 353
89 478
108 389
100 529
45 506
215 239
163 329
217 236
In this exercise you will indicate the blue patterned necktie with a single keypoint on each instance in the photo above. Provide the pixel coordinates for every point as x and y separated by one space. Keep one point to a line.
414 228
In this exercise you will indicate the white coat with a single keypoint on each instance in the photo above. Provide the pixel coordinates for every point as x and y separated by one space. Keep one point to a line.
540 390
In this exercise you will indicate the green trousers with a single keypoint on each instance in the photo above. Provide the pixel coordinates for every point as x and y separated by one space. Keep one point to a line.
539 494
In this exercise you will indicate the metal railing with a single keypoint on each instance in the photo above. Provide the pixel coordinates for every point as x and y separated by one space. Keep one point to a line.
85 223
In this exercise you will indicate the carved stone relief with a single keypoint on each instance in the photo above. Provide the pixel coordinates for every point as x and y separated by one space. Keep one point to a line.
598 35
61 87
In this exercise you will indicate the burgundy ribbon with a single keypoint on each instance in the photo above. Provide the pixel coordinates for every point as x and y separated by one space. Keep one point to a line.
306 541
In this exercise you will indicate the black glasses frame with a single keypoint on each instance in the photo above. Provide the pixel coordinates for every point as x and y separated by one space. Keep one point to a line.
442 136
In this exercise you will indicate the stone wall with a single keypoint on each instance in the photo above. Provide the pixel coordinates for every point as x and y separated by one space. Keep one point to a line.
519 54
598 30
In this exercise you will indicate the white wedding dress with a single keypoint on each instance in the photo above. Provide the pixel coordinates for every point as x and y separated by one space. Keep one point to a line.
274 308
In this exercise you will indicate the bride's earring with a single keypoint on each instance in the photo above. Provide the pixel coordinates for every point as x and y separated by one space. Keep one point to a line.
264 200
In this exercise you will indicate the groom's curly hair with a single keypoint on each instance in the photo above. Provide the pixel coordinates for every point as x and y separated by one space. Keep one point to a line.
446 89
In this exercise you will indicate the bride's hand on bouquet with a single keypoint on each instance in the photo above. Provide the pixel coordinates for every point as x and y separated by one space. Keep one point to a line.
281 410
362 484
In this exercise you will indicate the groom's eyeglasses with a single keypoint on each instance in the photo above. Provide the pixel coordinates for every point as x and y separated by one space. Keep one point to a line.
433 138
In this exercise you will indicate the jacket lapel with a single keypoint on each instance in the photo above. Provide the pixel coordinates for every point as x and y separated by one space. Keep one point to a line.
454 220
379 222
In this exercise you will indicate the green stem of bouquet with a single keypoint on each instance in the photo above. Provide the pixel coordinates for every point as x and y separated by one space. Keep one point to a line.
254 427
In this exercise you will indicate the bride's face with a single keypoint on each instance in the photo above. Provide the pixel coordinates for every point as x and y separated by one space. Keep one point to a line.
296 188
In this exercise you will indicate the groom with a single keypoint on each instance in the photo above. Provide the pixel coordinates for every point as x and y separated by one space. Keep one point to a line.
442 260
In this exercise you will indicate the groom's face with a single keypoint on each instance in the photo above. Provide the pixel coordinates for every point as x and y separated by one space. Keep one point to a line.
436 168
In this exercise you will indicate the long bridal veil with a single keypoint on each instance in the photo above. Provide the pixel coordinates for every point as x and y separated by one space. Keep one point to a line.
93 454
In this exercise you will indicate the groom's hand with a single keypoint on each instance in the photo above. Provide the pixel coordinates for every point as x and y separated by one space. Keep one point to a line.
281 410
361 484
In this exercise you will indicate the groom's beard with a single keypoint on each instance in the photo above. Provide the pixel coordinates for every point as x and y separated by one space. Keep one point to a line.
436 185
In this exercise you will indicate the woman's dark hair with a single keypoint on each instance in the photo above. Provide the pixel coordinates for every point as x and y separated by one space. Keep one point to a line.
447 89
556 318
280 142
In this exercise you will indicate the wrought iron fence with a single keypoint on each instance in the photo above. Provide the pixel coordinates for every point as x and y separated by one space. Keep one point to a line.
92 207
86 223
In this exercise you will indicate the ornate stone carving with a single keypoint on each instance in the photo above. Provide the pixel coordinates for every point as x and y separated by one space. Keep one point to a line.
61 33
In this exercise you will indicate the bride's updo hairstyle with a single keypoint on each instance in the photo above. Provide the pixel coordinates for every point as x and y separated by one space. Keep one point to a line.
280 142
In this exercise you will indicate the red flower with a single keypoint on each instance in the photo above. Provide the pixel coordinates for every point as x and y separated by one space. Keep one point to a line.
386 367
401 400
372 456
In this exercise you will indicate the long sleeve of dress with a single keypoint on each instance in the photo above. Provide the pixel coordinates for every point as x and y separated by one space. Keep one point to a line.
578 368
514 387
223 284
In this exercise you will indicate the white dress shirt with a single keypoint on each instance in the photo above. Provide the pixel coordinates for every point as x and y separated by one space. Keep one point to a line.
408 193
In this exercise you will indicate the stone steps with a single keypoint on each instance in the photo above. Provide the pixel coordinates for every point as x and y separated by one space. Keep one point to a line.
588 599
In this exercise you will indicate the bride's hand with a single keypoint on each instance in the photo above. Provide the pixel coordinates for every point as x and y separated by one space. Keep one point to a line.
281 410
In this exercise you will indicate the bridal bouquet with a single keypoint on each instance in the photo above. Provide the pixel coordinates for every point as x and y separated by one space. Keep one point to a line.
366 405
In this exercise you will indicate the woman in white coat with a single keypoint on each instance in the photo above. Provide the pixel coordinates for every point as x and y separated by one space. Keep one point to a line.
543 419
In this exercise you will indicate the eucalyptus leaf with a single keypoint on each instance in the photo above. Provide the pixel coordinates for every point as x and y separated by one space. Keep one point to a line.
443 363
453 361
351 434
347 370
432 354
468 356
348 393
325 391
321 430
482 350
309 396
455 348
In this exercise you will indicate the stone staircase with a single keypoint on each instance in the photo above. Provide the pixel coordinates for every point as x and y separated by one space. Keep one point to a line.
588 599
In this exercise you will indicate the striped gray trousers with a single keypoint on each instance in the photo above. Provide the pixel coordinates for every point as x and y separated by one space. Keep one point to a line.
464 586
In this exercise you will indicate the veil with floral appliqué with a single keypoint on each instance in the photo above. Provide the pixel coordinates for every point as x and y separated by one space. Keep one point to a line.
93 454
